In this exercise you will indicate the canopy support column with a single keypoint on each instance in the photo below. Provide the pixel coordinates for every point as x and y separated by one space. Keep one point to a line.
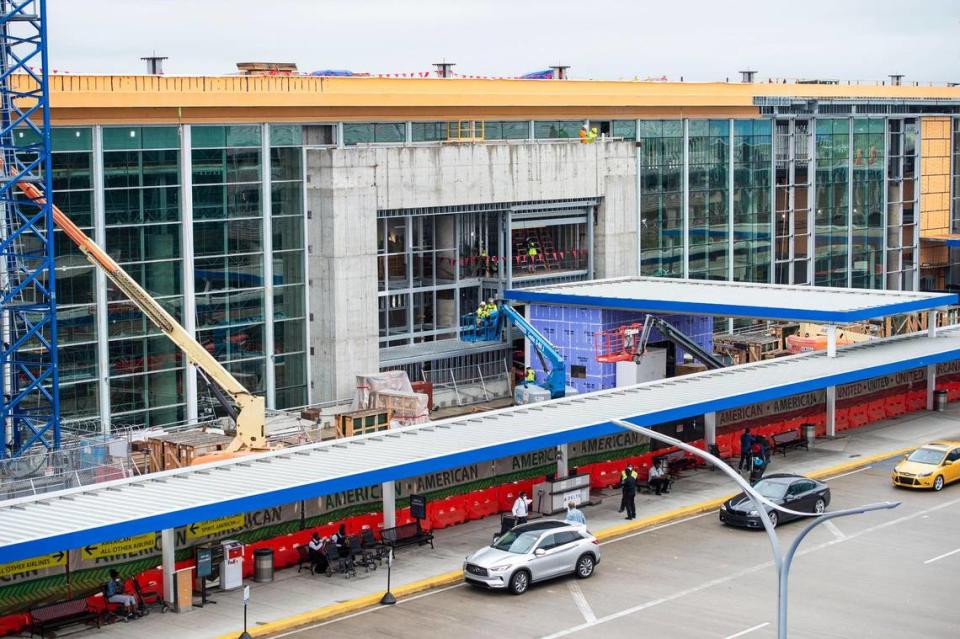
710 429
563 452
931 384
831 411
168 546
831 341
388 494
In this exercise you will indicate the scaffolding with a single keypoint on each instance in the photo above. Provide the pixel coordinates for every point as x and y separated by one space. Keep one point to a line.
30 410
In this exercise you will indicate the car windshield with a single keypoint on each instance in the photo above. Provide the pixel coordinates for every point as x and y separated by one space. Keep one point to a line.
519 544
926 456
771 489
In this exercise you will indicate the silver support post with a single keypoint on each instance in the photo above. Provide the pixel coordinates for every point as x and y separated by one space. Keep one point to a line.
639 192
266 204
831 341
388 495
831 411
932 323
102 317
686 199
710 429
563 467
187 270
168 540
931 384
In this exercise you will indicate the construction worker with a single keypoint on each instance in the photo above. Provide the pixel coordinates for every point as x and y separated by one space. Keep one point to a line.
481 313
531 255
529 377
592 135
583 134
483 266
491 307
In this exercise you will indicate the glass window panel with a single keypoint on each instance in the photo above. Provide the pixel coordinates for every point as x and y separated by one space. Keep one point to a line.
289 336
208 136
121 169
287 233
428 131
160 168
288 302
285 163
288 267
70 139
390 132
243 135
355 133
286 135
115 138
160 137
71 171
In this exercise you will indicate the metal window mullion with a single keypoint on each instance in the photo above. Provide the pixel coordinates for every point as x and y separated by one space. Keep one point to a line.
885 200
187 264
266 207
685 209
849 202
811 205
772 277
638 160
791 203
305 213
917 182
100 291
731 232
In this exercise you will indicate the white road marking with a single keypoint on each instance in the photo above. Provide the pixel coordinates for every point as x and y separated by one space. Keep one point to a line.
832 527
749 630
581 601
852 472
943 556
655 528
367 611
746 571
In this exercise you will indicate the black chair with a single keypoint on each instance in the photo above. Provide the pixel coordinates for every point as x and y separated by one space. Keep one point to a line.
359 554
336 563
380 552
304 558
148 598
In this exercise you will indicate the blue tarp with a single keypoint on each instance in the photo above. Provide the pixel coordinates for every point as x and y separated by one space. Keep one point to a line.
545 74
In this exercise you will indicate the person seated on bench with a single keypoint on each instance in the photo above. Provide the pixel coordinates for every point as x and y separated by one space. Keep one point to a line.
114 591
315 547
657 479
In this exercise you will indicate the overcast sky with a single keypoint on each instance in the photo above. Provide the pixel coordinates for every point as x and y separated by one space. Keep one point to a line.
602 39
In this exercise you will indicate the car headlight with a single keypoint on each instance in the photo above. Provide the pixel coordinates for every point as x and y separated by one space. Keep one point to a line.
500 568
723 506
925 474
753 513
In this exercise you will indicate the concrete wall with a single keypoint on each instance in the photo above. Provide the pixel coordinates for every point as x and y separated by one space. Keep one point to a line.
347 186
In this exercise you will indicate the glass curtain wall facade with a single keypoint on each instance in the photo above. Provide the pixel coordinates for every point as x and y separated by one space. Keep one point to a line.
134 208
661 197
867 225
751 200
708 173
792 213
832 217
955 176
902 199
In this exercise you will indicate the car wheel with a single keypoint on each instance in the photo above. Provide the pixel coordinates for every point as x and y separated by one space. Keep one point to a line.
938 483
819 507
585 566
774 518
519 582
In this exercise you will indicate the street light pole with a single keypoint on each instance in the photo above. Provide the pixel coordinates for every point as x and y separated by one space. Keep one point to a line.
781 562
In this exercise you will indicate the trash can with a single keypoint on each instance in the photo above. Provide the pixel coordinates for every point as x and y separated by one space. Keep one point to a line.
940 400
263 565
810 433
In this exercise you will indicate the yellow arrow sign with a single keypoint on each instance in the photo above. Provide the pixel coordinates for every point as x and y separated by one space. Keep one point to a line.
128 545
214 527
34 563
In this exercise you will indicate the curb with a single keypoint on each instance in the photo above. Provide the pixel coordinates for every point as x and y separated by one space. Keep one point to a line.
327 613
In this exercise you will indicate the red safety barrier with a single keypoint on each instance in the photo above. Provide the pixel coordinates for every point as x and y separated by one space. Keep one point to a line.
506 495
895 405
953 391
482 503
447 512
606 474
14 624
876 410
842 419
858 416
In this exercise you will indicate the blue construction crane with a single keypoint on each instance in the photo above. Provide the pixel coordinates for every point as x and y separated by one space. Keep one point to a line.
30 407
550 357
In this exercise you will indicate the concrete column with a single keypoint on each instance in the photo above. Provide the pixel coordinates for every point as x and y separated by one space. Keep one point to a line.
388 494
831 411
591 247
563 455
168 548
931 384
710 429
186 250
831 341
100 293
932 323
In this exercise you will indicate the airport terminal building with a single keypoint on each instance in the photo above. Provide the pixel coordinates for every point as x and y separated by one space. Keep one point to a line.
309 229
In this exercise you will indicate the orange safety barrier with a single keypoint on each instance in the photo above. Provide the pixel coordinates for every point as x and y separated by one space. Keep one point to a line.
482 503
842 419
14 624
876 410
606 474
446 512
858 416
916 400
895 405
953 391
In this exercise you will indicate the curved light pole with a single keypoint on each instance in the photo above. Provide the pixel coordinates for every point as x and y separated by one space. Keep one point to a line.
780 561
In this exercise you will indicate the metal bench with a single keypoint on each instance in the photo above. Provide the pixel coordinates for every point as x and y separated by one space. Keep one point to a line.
406 535
60 614
789 439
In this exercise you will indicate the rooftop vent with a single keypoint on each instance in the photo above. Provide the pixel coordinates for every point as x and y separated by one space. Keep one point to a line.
444 69
560 71
747 76
896 79
154 64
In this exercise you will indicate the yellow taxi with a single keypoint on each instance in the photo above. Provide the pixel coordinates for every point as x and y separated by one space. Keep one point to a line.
932 466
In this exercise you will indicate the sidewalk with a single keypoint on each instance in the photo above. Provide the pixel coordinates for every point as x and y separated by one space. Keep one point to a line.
302 595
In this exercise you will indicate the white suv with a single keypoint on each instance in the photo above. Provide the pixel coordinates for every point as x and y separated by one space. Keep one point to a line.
533 552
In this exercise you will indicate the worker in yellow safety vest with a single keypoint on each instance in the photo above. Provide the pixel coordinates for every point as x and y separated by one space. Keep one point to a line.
490 308
530 377
592 136
531 255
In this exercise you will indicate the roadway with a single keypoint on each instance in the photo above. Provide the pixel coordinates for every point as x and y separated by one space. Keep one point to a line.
884 574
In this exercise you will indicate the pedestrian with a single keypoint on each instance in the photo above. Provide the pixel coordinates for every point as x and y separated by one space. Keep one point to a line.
116 593
521 508
657 479
574 516
746 441
531 255
628 483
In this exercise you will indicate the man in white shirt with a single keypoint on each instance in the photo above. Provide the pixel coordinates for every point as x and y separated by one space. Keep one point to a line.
521 508
657 479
